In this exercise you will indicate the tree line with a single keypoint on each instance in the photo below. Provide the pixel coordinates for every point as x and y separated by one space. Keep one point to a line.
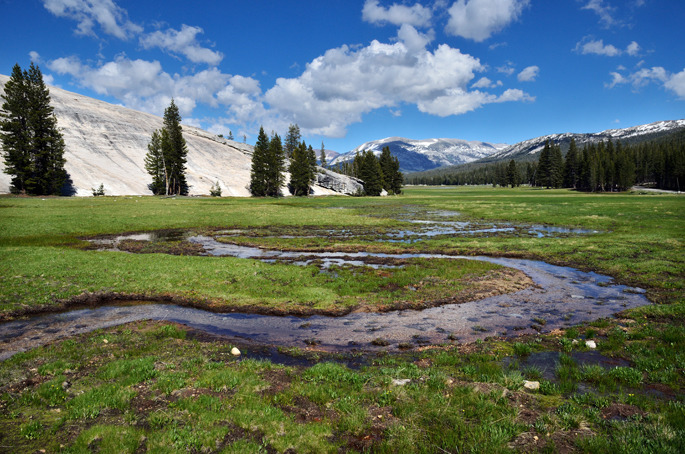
377 173
272 157
603 166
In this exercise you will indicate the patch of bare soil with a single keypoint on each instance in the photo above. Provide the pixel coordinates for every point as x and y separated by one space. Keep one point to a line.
237 433
306 411
380 419
278 379
152 247
561 442
621 412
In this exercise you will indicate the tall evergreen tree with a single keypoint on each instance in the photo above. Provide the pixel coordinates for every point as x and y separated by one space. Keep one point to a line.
390 169
513 175
165 160
571 166
177 151
370 173
155 163
322 156
34 147
275 167
300 175
292 140
544 166
556 167
258 173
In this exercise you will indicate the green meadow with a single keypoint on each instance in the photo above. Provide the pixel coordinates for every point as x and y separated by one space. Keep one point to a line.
160 387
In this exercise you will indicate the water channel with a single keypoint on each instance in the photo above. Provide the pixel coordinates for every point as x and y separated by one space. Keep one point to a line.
562 297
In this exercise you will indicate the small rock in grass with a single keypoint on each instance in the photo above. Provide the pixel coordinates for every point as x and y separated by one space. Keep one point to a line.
400 381
532 385
590 344
235 351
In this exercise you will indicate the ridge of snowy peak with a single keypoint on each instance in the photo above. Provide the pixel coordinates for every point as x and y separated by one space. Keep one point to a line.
423 154
649 128
535 145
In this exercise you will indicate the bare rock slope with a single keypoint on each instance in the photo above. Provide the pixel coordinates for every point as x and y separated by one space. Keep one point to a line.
106 144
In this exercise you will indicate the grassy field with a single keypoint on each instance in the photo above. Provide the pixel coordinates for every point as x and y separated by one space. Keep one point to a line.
158 387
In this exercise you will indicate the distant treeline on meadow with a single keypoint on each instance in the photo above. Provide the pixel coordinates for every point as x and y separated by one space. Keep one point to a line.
598 167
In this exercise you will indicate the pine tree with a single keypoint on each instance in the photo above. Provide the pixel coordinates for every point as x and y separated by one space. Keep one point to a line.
556 167
390 169
258 173
571 166
16 136
322 156
299 172
370 173
176 151
34 147
275 166
513 176
544 166
155 163
292 140
311 158
166 157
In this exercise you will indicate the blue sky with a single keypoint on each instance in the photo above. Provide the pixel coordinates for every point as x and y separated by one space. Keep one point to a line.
350 71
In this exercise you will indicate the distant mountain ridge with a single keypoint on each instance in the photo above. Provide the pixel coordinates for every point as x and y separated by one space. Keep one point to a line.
530 148
418 155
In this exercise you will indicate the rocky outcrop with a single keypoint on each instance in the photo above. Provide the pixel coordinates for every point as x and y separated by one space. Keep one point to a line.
338 183
106 144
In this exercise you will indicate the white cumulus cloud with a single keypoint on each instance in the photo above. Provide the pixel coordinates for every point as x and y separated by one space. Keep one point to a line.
484 82
182 42
676 83
335 90
604 11
144 85
597 47
479 19
396 14
528 74
112 19
645 76
633 49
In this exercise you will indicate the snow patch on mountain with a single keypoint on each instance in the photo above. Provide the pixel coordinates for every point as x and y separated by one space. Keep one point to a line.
425 154
534 146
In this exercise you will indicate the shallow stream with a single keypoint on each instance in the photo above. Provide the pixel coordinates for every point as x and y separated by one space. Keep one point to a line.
562 297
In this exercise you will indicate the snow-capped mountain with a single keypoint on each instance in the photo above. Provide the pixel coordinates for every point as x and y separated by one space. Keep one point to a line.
418 155
636 133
